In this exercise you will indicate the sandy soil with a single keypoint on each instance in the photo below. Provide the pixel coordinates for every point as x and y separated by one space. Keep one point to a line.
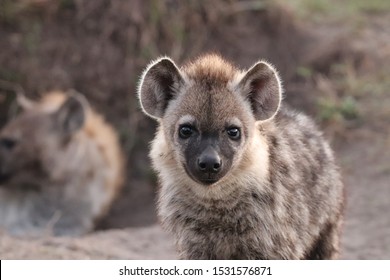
366 167
134 244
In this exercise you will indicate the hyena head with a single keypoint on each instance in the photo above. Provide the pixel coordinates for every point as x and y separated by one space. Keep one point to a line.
208 110
32 144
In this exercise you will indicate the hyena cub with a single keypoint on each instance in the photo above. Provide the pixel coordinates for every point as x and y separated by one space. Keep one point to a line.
60 167
241 177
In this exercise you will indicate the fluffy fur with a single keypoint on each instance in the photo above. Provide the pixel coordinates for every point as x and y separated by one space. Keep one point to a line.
281 196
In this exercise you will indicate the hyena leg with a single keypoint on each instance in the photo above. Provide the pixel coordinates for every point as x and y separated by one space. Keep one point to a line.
327 245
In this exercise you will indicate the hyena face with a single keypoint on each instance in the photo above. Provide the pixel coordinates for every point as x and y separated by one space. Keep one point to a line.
30 142
208 111
207 132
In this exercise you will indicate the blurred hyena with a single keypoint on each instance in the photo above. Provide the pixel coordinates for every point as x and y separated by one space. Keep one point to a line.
61 167
241 177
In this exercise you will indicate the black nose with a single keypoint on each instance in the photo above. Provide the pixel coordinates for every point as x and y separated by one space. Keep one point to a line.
209 161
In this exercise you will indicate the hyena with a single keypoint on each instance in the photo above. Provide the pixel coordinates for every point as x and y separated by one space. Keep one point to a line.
241 177
61 167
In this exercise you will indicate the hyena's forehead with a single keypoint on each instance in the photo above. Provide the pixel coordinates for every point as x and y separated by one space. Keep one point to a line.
21 123
26 125
211 108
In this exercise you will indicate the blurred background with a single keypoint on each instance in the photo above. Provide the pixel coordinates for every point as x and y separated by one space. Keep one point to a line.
333 56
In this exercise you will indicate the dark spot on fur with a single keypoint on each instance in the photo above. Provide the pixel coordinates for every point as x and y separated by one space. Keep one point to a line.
314 176
284 169
306 141
322 248
321 157
277 240
255 196
264 199
274 141
308 135
208 84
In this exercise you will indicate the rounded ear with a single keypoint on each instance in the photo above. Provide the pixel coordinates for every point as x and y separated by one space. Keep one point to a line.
22 104
70 117
159 84
25 103
261 86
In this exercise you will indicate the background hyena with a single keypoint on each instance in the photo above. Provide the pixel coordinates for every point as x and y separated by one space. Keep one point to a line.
241 178
60 167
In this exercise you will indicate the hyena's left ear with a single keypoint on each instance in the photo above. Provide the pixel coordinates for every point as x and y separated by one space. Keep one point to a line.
70 117
261 86
158 85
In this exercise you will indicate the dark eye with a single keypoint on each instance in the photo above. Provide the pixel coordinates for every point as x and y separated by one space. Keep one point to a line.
7 143
185 131
234 133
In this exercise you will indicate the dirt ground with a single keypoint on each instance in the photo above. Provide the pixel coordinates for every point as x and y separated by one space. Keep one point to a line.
336 71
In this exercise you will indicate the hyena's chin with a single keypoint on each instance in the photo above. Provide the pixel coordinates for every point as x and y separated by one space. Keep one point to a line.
208 181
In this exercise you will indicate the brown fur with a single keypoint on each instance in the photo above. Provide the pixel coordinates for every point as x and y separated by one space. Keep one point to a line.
276 192
61 181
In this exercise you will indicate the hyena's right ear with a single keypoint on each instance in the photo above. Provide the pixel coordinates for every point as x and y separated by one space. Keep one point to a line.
71 116
158 85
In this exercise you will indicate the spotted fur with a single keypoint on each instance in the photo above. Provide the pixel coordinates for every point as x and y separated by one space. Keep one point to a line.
281 196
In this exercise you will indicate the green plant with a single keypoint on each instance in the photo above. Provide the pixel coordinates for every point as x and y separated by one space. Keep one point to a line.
338 110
